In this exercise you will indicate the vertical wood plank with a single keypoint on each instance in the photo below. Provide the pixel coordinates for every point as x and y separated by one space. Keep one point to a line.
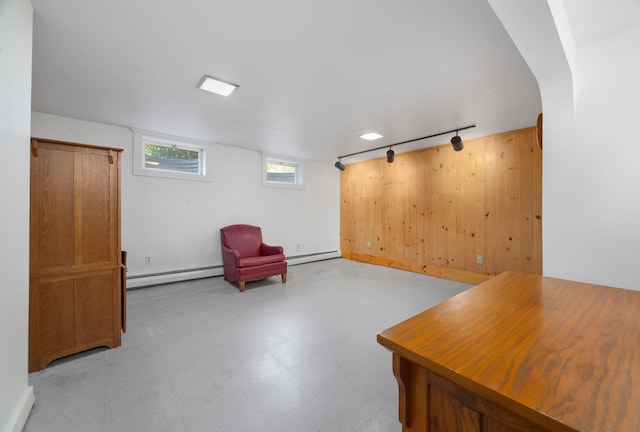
420 207
491 202
433 219
373 217
508 209
394 183
474 207
537 206
527 202
410 202
449 203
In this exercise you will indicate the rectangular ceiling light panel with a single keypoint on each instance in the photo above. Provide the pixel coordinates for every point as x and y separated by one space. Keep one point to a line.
216 86
371 136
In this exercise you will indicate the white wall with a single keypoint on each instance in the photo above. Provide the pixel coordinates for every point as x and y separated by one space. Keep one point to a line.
177 222
594 195
591 154
16 397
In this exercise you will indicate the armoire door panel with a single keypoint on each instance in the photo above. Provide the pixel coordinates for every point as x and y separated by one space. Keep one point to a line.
57 316
55 209
94 182
95 308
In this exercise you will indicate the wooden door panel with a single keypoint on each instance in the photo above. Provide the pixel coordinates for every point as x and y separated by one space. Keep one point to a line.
54 208
95 307
94 182
57 316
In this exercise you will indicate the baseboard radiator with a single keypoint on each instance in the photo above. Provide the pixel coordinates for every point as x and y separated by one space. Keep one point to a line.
205 272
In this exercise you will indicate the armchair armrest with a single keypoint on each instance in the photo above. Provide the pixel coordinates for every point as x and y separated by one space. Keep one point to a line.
265 249
229 256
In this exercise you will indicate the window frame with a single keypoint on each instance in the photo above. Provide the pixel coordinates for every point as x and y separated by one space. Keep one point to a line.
140 138
282 160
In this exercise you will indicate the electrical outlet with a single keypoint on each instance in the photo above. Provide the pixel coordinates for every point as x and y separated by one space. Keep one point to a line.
298 245
147 259
368 245
479 259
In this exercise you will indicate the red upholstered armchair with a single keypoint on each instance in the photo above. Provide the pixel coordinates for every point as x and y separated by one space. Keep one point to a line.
246 258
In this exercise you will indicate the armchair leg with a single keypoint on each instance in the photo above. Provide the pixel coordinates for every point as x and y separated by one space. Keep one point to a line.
241 285
284 278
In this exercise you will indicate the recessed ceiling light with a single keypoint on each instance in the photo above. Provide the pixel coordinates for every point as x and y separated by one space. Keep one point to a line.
216 86
371 136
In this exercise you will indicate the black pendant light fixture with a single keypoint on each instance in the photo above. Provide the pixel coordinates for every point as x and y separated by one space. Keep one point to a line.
390 155
456 142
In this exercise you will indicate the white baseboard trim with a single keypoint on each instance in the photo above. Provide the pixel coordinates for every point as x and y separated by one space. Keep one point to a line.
302 259
183 275
22 412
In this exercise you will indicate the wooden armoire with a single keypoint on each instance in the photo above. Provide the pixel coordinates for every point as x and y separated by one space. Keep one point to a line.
76 282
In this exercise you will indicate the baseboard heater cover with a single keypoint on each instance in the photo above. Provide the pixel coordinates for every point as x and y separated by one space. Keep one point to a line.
139 281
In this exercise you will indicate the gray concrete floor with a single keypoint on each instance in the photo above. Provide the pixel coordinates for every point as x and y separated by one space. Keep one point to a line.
201 356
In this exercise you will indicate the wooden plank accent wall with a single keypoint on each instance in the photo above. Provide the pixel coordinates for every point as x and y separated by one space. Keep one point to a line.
435 210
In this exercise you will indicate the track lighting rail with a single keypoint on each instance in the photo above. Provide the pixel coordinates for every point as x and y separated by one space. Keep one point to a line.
456 130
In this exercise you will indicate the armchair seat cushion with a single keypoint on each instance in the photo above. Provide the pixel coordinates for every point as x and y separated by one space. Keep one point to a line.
260 260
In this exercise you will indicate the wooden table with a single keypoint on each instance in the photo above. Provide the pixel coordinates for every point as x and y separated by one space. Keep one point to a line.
521 352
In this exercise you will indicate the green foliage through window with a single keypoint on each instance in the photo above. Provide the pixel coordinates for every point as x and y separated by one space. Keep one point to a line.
172 152
172 158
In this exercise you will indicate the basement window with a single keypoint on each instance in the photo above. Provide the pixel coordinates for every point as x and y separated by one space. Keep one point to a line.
281 172
169 157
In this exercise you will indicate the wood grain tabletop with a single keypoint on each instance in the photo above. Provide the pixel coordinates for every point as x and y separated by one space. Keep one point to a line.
554 351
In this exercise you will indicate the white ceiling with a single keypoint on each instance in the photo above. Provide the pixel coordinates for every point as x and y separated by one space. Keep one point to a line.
313 75
591 20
